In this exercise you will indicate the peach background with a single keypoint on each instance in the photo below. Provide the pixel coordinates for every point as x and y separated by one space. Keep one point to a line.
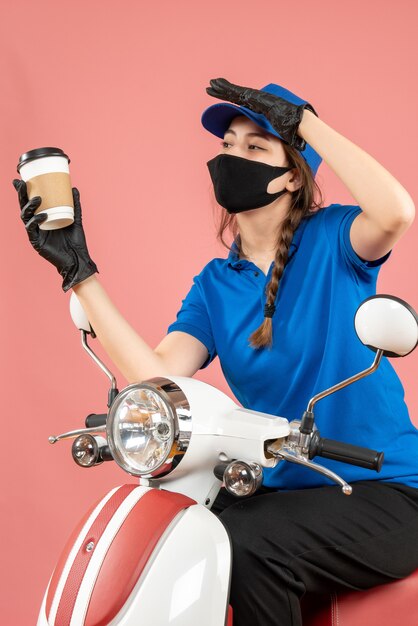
121 87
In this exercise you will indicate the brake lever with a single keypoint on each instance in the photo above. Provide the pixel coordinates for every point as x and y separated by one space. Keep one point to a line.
290 454
72 434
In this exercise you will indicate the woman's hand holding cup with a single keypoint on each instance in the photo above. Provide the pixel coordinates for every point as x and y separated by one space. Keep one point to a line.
66 248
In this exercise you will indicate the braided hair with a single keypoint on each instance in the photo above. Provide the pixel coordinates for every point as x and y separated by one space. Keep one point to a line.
303 203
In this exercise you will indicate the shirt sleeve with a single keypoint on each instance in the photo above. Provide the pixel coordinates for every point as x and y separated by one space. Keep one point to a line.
337 220
193 318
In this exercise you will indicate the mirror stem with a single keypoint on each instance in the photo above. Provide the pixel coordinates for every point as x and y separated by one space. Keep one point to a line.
113 391
346 382
307 421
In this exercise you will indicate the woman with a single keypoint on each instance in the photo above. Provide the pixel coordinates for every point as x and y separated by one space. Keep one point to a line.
278 312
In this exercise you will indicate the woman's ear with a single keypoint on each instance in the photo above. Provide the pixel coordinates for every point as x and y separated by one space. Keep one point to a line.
295 180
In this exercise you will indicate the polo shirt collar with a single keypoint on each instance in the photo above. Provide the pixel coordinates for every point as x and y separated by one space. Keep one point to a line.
237 263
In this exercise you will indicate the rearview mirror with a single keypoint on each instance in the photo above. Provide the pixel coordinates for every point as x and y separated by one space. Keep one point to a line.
79 316
387 323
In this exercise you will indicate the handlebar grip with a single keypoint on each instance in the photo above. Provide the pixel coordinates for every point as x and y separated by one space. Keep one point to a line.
346 453
94 420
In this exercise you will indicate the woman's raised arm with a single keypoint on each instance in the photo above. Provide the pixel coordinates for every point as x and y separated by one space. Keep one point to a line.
388 209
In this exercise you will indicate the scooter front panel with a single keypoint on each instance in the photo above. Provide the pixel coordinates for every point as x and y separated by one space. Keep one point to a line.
109 552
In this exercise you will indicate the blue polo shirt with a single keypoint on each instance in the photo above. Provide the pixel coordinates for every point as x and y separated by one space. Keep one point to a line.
314 347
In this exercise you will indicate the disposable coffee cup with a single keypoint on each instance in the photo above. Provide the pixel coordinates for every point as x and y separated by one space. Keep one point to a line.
46 174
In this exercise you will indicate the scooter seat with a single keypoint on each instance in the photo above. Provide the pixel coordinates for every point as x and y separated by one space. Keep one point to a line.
384 605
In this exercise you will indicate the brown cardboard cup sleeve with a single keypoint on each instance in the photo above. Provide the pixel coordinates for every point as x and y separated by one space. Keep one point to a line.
54 188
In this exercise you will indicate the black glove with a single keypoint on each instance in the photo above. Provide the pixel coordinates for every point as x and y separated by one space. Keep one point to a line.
283 115
66 247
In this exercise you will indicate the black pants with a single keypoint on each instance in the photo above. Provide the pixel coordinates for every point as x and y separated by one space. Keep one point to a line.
286 543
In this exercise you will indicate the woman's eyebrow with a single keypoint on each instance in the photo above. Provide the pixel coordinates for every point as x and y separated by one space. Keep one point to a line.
249 134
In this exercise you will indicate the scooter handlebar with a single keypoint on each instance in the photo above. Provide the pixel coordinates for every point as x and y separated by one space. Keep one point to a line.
345 452
95 420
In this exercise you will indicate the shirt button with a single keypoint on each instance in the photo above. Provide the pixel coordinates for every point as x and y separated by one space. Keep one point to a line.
256 273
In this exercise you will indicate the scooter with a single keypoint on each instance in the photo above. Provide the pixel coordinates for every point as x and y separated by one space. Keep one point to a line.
154 554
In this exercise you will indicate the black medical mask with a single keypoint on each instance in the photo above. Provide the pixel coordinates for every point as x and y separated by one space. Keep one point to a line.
241 184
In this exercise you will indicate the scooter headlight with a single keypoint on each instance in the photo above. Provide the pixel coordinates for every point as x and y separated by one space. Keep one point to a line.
143 429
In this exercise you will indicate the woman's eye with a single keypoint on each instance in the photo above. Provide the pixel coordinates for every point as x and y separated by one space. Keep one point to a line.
225 144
